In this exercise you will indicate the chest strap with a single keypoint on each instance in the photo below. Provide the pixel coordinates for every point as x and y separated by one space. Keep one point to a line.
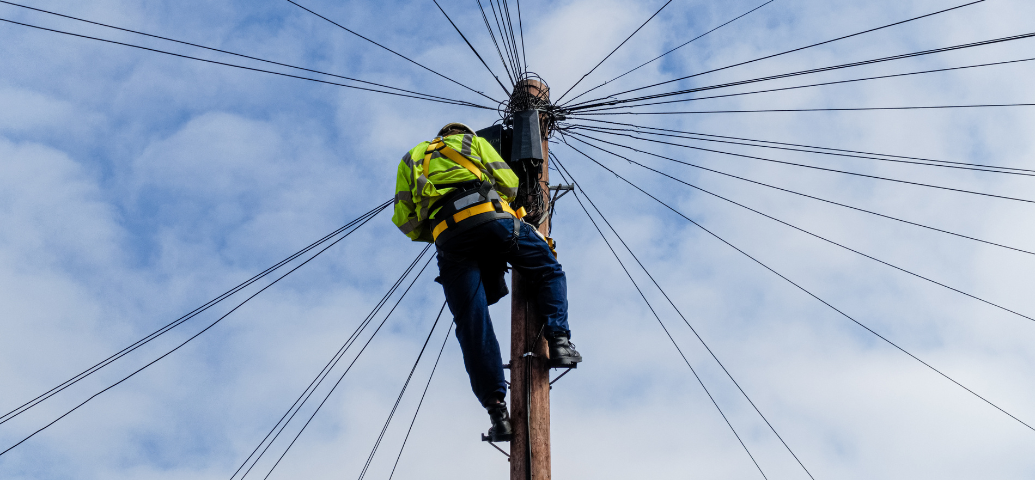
438 145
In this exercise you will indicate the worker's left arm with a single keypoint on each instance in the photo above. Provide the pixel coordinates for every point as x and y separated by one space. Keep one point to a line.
405 212
506 180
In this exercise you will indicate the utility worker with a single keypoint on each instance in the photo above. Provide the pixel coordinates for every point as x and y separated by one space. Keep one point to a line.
455 191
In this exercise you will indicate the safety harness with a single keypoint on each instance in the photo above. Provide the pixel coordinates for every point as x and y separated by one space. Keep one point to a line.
472 203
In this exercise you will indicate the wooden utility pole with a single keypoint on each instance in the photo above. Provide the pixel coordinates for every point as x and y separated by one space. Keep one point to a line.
530 374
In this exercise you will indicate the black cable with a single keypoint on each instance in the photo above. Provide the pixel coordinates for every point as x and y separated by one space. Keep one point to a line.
673 340
687 322
644 24
501 24
851 207
402 391
821 84
824 302
185 342
521 29
332 22
419 404
670 51
808 232
221 51
179 321
775 145
472 47
318 407
787 110
792 51
503 37
303 398
452 102
513 39
808 166
810 71
596 129
494 42
982 165
333 362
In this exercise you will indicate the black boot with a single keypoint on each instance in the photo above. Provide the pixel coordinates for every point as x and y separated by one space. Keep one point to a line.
500 431
563 353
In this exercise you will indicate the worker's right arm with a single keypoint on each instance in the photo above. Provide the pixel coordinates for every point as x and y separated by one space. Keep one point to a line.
505 179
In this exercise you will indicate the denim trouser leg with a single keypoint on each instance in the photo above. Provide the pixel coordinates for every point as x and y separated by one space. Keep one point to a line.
465 295
533 259
461 280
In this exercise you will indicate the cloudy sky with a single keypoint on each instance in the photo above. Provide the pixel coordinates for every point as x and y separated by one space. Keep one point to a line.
136 186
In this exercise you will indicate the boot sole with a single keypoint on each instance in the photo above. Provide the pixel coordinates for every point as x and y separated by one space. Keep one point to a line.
565 363
497 438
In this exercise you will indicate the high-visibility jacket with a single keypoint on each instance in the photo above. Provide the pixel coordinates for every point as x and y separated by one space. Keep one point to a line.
417 190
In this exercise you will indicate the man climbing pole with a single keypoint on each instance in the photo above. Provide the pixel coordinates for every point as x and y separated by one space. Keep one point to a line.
455 191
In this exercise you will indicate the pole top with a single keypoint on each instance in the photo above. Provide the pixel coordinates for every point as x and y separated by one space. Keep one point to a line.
532 87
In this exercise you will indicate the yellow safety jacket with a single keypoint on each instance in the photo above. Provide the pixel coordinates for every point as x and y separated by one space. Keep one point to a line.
427 173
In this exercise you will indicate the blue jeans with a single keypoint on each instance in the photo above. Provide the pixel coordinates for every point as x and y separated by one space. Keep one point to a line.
461 260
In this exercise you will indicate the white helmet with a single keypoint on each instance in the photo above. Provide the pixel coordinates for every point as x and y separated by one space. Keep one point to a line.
455 126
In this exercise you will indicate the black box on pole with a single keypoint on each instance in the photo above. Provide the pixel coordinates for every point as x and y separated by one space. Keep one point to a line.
528 139
499 138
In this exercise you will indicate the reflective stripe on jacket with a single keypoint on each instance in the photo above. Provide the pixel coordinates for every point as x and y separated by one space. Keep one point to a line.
416 191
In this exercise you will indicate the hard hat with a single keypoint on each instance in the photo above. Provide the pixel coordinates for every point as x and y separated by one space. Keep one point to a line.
455 126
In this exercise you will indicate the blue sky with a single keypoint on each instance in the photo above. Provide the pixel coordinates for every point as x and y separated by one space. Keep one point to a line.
136 186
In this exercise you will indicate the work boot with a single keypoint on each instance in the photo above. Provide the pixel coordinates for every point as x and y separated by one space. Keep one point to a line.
500 430
563 353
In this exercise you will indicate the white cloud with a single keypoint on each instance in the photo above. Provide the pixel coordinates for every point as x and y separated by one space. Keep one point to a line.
134 187
25 110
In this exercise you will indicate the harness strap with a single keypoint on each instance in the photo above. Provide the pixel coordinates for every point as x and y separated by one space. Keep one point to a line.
489 205
438 145
461 160
484 207
433 147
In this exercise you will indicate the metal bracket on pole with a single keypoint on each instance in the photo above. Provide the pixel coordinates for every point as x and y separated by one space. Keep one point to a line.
560 191
575 365
486 439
